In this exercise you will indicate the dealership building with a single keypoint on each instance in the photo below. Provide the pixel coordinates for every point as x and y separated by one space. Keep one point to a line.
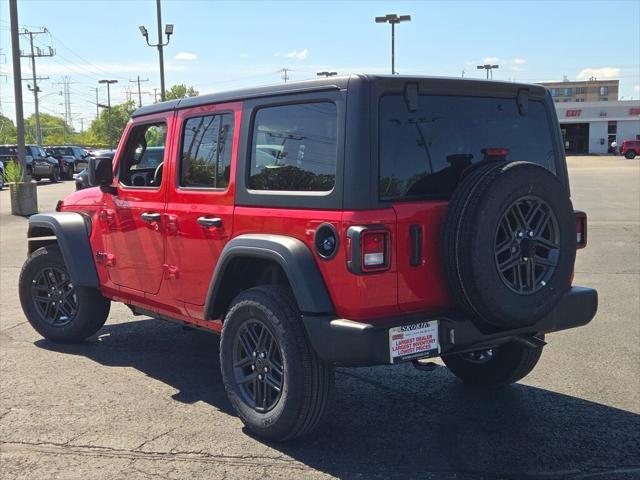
590 127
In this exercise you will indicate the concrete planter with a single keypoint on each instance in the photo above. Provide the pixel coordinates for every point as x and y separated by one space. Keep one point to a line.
24 198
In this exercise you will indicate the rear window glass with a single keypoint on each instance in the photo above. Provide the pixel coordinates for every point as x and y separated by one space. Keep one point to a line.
4 150
424 153
294 148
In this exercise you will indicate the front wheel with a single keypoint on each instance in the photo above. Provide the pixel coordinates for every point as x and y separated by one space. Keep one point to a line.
494 367
275 381
56 308
630 155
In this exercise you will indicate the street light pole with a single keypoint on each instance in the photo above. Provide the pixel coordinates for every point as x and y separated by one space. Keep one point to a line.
489 68
168 31
393 19
109 82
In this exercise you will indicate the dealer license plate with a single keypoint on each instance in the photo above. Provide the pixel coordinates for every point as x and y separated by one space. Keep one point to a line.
417 340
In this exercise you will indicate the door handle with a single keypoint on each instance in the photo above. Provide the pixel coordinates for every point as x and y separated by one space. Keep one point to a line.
209 222
150 217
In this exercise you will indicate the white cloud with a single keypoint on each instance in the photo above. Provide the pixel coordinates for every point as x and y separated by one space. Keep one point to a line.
491 59
599 73
519 61
188 56
637 88
244 55
300 55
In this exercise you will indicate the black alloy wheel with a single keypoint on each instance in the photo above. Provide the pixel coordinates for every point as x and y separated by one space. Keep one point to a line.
258 366
527 245
54 296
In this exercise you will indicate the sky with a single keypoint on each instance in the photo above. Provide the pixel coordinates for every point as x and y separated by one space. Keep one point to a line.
219 46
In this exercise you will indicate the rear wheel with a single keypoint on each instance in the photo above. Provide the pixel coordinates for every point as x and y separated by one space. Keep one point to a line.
494 367
275 381
56 308
630 155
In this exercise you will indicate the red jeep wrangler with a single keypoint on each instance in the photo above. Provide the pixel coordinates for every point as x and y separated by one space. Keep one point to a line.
353 221
630 148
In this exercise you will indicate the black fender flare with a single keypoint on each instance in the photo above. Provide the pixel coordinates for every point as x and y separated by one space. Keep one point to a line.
291 254
71 231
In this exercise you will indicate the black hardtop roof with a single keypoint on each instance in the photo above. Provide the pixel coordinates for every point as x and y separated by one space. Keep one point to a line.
331 83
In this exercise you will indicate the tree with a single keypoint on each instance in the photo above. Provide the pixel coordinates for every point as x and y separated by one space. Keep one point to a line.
55 130
180 91
7 130
105 131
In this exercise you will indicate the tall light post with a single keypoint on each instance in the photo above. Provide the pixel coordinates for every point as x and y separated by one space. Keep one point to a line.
168 31
489 68
393 19
108 82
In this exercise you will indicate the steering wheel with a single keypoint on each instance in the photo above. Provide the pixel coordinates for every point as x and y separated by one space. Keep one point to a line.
157 175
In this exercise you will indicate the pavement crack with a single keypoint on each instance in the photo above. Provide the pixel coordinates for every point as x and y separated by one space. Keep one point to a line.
154 438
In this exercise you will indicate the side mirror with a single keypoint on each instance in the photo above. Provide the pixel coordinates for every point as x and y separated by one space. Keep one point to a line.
101 174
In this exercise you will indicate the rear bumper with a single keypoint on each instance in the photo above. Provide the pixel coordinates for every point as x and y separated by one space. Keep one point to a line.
350 343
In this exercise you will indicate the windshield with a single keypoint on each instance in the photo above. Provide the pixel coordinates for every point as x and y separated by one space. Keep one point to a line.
62 151
424 153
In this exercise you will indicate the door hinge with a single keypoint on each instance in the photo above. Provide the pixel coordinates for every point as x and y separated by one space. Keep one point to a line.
170 271
107 259
106 216
172 224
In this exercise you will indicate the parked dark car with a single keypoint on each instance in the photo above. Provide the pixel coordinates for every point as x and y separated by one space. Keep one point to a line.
72 159
39 164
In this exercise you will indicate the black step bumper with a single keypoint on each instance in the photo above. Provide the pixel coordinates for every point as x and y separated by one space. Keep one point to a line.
350 343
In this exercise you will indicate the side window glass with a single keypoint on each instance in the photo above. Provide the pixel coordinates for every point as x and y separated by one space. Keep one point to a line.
143 159
206 151
294 148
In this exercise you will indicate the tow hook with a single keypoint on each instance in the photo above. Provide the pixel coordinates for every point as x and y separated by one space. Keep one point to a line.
531 341
422 365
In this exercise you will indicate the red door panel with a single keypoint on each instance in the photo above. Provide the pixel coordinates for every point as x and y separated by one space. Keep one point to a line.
193 246
421 286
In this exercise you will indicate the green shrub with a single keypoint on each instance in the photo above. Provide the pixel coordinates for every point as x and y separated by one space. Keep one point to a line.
13 173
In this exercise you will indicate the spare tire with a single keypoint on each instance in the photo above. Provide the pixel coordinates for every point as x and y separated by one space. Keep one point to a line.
509 243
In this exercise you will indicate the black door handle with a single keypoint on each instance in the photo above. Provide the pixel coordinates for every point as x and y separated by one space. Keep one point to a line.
150 217
210 222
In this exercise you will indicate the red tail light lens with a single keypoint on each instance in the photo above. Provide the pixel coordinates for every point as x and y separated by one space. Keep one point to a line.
374 249
581 229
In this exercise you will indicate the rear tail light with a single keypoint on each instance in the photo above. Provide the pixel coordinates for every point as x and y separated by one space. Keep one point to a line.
495 152
367 249
581 229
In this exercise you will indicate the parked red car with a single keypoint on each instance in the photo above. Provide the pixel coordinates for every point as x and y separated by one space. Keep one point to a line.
363 220
630 148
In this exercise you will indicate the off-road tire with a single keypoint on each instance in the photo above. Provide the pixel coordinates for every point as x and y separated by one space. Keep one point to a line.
468 243
308 381
92 308
55 175
630 155
510 363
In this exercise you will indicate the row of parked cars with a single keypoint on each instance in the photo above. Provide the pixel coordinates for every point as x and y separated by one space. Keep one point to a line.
58 162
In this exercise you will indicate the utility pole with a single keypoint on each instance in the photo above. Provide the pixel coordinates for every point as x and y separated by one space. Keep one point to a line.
97 104
393 19
66 81
108 82
284 74
17 86
38 52
168 31
139 91
155 94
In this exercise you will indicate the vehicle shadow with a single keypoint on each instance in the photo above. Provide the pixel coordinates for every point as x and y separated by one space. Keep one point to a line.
389 422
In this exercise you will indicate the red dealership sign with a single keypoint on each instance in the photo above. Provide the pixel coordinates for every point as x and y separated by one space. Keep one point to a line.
573 113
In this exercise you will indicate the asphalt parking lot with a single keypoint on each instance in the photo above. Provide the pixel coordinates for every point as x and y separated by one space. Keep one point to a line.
144 398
